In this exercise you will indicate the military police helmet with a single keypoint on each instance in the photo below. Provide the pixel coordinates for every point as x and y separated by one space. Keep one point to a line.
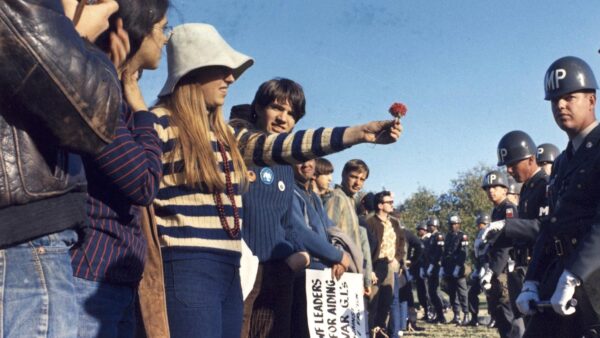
546 153
454 219
433 222
514 187
494 178
483 218
567 75
421 226
515 146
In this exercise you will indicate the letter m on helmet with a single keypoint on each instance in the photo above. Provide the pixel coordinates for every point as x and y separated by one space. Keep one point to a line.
553 77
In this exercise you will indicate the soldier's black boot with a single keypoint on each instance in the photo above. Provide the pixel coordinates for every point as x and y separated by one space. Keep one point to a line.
455 319
473 322
465 320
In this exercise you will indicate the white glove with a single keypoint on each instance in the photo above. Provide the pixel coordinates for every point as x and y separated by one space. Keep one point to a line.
565 289
429 269
486 279
492 227
409 277
442 272
422 273
456 271
529 293
481 271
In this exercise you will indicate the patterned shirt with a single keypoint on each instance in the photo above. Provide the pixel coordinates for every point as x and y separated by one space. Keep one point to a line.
122 177
388 241
187 217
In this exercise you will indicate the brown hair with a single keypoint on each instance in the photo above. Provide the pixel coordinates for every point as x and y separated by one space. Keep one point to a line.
194 123
355 165
323 166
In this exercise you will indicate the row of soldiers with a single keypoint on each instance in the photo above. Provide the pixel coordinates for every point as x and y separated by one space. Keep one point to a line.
536 258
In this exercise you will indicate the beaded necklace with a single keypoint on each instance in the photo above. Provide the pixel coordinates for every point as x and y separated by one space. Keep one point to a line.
235 231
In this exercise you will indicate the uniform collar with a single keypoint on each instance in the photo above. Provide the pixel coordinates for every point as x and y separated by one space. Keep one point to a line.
577 141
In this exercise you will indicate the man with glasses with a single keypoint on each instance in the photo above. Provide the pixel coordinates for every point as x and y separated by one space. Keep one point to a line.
388 251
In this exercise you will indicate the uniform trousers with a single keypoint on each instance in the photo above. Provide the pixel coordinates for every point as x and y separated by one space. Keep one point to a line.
501 310
433 290
585 322
473 298
457 290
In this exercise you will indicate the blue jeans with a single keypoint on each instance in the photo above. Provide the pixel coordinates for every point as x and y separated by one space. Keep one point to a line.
398 310
105 310
204 298
37 293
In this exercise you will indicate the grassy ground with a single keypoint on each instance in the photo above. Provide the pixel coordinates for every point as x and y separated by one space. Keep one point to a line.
451 330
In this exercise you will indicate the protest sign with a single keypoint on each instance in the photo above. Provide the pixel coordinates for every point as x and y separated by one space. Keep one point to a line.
335 308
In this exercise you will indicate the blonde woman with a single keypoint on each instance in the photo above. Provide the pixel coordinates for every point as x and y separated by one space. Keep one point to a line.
199 205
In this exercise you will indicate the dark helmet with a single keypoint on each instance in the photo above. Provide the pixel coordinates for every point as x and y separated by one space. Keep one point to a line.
483 218
422 226
494 178
567 75
546 153
433 222
513 186
515 146
454 219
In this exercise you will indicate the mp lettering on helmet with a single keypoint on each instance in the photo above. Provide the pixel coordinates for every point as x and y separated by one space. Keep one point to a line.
491 178
553 78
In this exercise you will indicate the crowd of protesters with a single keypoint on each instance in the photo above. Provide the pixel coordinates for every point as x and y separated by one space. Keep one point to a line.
171 220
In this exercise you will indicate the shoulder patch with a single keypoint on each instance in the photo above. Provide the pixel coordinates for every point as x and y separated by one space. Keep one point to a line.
509 213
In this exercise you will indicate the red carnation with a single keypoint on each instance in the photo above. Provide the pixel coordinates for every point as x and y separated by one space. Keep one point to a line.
398 110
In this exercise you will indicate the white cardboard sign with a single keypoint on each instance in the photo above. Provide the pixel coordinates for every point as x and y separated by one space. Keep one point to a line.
335 309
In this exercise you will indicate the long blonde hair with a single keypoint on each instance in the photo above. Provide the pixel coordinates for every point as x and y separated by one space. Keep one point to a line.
193 144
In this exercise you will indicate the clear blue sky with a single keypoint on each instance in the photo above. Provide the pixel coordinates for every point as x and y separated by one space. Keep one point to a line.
469 71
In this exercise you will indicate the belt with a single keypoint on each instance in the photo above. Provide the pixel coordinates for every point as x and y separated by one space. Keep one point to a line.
561 245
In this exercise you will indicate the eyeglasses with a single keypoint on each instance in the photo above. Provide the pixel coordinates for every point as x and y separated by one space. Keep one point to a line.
388 202
167 30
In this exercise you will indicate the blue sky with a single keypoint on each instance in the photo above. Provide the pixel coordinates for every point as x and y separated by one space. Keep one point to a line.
469 71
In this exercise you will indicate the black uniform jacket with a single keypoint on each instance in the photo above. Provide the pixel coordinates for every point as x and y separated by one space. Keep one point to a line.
499 254
533 205
455 252
574 220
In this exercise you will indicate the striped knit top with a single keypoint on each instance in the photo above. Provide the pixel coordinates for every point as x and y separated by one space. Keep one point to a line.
187 217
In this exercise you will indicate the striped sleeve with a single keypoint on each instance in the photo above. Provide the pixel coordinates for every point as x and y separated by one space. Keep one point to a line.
269 149
132 161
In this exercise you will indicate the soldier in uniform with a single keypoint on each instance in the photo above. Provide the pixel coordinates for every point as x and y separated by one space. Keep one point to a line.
565 262
453 268
420 266
514 189
517 151
478 260
494 278
435 249
546 154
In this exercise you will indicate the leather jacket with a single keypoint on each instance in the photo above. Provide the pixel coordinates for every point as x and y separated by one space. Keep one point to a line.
33 169
59 95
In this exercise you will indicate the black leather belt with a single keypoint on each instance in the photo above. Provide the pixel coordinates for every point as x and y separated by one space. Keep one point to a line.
561 245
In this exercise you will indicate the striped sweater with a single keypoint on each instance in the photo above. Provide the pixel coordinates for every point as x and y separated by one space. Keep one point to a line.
187 217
